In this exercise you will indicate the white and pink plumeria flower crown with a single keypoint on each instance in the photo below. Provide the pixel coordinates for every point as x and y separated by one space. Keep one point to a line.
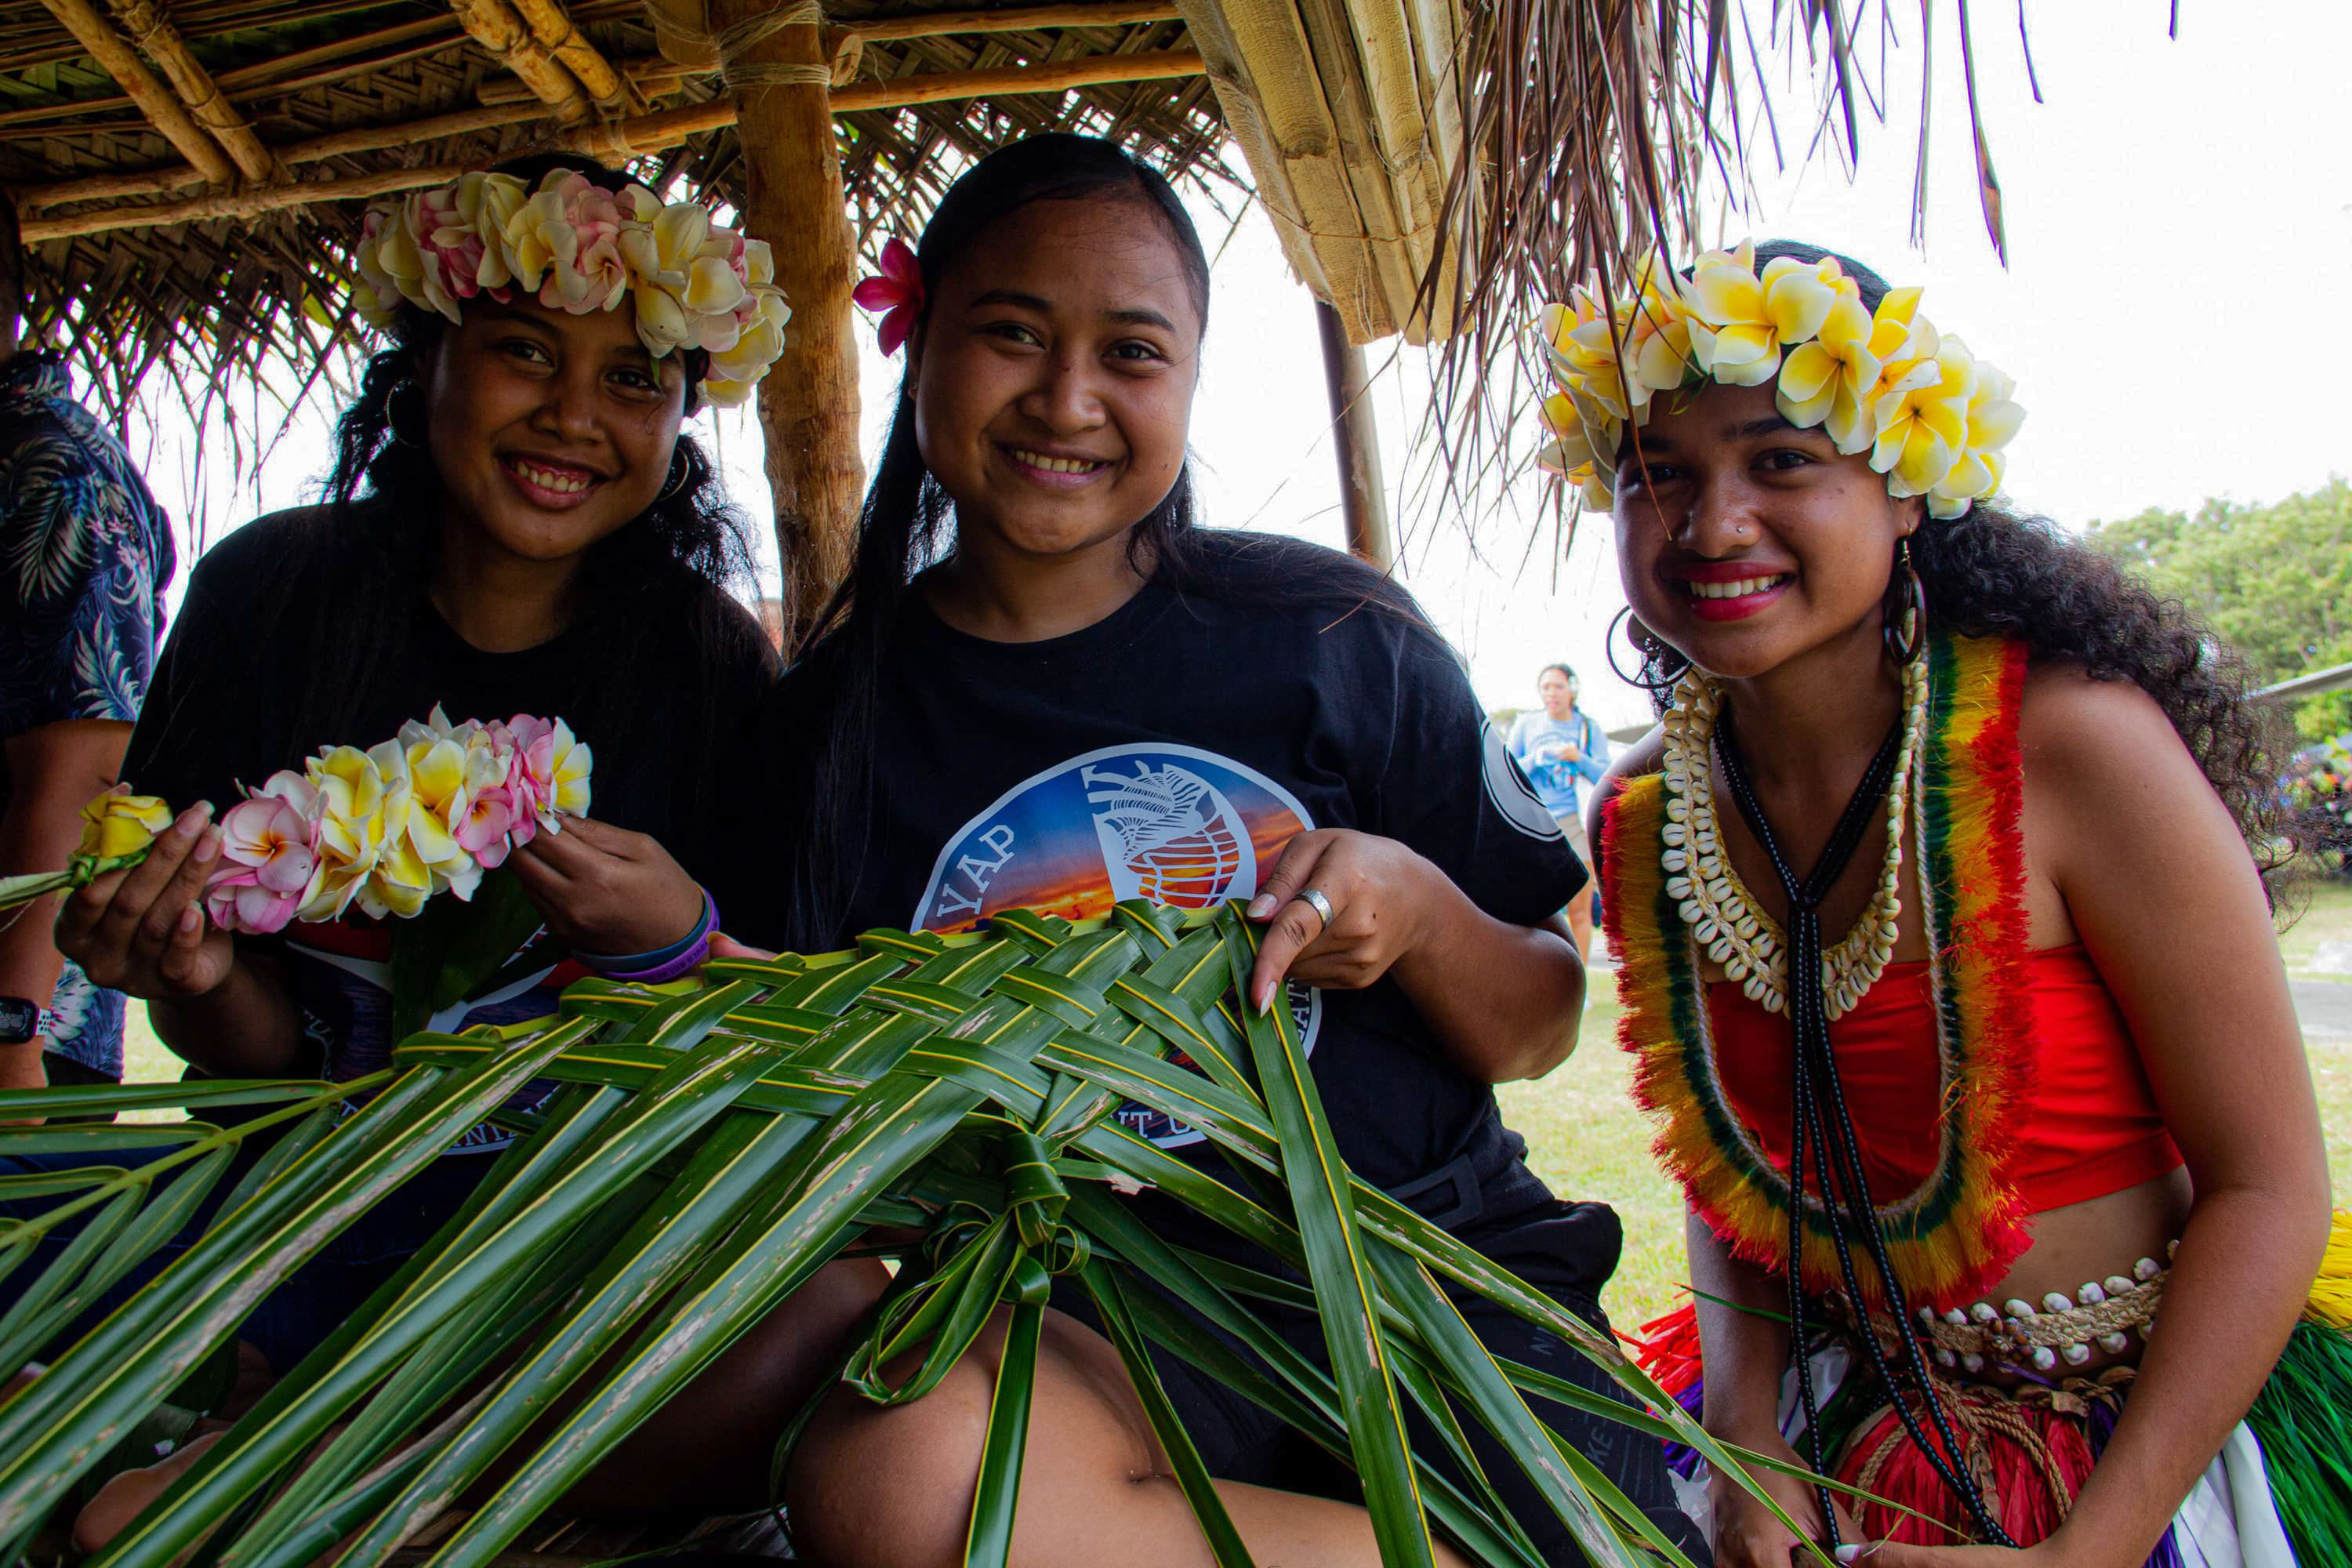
1933 417
575 246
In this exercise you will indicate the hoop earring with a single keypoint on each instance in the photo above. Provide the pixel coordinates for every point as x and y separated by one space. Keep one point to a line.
1905 624
1658 682
679 470
392 411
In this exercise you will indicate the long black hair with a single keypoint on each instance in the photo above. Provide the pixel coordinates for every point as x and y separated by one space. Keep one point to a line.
1996 572
373 545
906 526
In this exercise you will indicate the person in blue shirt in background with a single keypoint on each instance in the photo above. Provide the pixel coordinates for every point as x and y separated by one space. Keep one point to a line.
1559 748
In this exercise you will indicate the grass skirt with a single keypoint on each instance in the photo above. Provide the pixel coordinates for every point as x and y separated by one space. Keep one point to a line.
2278 1495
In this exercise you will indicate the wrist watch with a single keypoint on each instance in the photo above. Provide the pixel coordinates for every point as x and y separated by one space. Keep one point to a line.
21 1020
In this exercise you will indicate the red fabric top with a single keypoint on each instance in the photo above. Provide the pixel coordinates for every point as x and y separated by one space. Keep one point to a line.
2094 1127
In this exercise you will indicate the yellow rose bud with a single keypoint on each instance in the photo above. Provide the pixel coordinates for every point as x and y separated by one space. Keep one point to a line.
116 824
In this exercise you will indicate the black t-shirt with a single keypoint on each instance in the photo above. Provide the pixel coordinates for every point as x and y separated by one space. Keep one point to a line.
233 682
1168 752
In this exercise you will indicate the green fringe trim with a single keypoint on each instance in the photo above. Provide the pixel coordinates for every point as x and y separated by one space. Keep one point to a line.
2303 1418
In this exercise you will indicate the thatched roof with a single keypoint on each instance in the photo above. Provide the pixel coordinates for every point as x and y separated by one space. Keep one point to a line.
1432 167
369 95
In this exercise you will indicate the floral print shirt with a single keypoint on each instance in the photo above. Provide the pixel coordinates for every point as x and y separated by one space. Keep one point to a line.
84 553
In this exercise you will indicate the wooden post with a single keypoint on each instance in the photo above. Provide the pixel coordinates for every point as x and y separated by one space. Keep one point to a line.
1356 440
808 403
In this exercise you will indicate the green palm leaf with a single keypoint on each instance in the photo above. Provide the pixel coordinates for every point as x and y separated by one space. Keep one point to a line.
946 1101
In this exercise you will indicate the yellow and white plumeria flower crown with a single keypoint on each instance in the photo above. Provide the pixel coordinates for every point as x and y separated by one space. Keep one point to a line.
1933 416
576 247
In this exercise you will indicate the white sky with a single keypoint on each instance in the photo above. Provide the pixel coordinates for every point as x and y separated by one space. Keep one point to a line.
2180 224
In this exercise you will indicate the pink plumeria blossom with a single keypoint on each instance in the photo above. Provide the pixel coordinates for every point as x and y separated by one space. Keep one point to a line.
269 856
237 901
483 832
897 293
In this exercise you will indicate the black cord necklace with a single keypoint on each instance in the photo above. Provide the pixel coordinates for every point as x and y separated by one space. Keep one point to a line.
1817 1111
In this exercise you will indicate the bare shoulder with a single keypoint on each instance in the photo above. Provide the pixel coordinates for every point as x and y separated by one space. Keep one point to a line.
1632 762
2080 733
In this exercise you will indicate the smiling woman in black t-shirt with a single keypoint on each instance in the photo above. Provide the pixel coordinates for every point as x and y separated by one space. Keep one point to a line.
514 524
1044 688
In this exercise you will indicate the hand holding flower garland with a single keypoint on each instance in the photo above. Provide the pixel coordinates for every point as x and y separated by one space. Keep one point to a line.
385 828
1933 417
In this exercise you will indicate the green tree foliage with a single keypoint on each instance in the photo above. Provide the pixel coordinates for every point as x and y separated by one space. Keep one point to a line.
2273 581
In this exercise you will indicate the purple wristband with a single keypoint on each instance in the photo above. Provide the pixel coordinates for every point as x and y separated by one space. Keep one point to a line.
666 964
684 963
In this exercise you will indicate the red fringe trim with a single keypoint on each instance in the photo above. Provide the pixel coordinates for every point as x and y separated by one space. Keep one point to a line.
1983 958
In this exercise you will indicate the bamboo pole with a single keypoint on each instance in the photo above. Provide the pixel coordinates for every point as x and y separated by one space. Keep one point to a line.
1011 81
249 202
642 134
496 27
334 144
1012 19
643 70
650 75
161 42
269 79
1356 441
553 27
808 403
669 127
115 57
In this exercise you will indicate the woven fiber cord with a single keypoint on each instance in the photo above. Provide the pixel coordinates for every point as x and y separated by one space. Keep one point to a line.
739 38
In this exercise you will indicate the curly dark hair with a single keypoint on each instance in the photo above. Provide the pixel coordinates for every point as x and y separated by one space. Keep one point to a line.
1994 572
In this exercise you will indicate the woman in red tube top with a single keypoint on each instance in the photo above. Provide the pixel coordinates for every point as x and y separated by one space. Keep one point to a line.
1937 896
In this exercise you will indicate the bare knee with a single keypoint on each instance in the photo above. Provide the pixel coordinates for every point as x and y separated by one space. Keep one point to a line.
890 1487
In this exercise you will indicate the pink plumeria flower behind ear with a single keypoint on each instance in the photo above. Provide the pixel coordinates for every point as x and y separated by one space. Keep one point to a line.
897 293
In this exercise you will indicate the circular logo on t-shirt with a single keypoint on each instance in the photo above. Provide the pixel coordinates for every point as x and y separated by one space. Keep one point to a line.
1175 825
1511 795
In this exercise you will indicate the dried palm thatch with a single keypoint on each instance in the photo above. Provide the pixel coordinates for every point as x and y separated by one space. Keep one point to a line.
709 1147
140 265
1593 127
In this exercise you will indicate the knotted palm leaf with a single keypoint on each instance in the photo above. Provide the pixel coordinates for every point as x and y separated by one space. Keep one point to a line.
710 1146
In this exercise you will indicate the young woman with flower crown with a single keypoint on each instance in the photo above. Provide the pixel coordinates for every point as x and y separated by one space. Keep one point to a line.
1045 687
1946 958
514 524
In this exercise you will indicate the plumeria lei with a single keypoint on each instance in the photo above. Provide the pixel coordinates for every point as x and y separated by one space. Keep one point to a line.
1933 416
575 246
385 828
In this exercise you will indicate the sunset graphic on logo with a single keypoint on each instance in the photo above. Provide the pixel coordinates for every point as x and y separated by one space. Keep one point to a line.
1172 824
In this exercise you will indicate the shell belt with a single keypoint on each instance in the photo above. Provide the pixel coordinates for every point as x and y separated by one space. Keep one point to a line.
2061 1328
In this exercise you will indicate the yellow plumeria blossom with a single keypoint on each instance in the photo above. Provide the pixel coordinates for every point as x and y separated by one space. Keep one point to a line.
1740 322
436 804
353 795
1828 381
120 824
1922 414
1581 340
1933 418
399 882
1993 416
1573 453
578 248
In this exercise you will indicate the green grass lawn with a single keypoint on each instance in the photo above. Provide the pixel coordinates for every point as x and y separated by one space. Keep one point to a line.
1586 1139
2318 945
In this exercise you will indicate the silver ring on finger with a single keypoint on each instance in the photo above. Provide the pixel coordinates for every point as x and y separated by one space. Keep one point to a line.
1314 899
